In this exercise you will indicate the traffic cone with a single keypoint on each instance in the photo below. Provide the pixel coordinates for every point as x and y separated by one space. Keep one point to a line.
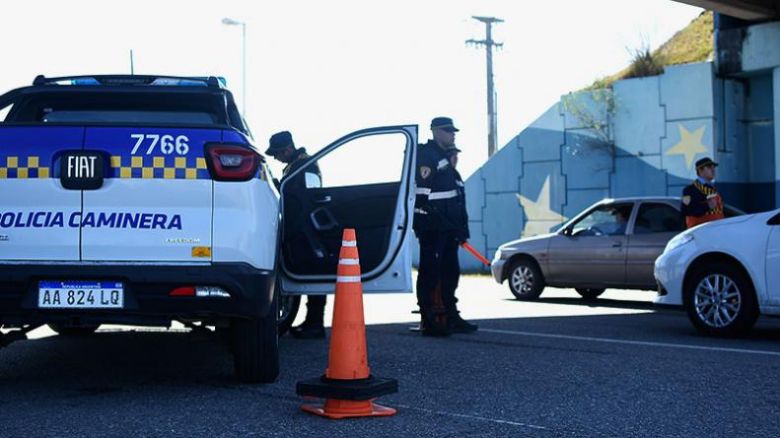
348 386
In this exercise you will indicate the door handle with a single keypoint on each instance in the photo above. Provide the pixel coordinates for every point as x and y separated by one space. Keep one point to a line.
324 200
617 244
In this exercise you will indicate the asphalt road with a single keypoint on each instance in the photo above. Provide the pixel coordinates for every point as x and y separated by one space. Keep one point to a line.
557 367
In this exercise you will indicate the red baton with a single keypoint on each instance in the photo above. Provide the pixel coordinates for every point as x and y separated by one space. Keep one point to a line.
475 253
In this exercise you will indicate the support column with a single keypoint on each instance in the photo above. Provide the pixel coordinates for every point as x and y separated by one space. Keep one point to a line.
776 115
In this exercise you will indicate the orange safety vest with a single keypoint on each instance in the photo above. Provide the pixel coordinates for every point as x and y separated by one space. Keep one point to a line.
712 214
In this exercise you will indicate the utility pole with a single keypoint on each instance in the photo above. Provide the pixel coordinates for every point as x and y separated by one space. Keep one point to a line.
491 104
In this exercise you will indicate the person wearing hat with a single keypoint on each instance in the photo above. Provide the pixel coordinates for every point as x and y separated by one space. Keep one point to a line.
701 202
440 225
282 148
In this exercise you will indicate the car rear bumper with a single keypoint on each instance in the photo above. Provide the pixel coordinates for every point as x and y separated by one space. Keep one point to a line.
147 291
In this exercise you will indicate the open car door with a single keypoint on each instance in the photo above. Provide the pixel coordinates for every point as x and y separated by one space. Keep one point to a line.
365 182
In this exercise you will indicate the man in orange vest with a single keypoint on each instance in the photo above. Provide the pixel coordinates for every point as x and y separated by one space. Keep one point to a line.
701 202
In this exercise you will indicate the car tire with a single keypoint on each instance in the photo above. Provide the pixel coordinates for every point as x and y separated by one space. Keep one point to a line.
525 279
720 300
83 330
288 310
256 347
589 293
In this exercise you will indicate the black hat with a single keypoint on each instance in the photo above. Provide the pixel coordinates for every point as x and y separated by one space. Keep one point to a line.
279 141
706 161
444 123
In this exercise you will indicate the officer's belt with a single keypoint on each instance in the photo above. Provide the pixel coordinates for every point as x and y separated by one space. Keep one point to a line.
435 196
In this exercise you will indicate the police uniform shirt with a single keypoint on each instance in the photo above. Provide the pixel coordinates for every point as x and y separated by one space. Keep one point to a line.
436 202
462 219
694 200
298 160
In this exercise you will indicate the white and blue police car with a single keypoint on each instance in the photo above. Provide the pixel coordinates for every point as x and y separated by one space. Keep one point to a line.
142 200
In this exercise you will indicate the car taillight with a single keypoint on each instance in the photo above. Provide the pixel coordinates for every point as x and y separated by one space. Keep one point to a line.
231 163
199 291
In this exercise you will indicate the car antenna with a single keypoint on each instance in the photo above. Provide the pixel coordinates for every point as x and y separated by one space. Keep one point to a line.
131 63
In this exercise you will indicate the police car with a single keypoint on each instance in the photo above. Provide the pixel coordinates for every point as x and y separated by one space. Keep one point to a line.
142 200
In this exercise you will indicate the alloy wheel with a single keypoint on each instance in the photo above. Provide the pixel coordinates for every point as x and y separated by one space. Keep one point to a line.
522 279
717 300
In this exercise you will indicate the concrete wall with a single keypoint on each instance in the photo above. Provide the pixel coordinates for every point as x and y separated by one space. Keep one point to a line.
640 139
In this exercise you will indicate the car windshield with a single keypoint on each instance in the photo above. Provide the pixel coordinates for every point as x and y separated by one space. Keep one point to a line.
611 219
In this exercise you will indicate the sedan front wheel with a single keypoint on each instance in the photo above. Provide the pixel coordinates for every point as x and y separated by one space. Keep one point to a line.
525 280
720 301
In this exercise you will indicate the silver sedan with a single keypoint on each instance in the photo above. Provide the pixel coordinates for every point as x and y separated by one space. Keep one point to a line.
611 244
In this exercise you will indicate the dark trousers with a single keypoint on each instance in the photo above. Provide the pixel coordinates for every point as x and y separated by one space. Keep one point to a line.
315 309
439 271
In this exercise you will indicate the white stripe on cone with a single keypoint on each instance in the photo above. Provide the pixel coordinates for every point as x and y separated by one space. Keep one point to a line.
347 279
350 243
351 262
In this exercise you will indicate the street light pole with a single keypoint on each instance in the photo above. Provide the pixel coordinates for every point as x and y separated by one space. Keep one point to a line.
230 22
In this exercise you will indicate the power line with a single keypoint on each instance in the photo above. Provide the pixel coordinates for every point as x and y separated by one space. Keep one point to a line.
491 97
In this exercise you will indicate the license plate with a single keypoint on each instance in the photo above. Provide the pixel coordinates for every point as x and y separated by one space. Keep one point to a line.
81 295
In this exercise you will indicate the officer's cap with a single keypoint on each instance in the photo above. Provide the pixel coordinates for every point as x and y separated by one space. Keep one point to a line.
279 142
444 123
706 161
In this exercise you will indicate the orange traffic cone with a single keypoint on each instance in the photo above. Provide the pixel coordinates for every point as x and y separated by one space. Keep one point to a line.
348 386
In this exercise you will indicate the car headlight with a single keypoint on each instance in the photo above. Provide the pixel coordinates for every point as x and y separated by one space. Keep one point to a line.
497 255
678 241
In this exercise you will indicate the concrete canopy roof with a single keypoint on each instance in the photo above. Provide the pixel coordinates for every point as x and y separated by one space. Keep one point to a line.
744 9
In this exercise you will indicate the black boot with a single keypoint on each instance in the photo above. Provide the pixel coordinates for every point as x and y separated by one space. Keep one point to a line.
312 327
433 324
456 324
308 330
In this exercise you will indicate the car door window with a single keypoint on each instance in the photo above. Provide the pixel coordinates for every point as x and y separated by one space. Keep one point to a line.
356 186
375 159
606 220
658 218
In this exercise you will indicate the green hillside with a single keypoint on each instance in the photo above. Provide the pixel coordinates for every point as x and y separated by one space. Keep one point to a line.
694 43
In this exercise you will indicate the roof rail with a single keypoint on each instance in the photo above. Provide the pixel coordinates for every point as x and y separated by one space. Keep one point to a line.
209 81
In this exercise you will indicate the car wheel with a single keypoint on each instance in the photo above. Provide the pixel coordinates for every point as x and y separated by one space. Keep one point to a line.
720 301
525 280
256 347
288 310
65 330
589 293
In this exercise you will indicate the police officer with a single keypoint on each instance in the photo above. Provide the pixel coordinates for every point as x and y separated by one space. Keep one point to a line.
282 148
701 202
440 224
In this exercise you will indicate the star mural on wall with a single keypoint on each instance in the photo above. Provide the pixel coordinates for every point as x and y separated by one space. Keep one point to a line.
539 210
690 145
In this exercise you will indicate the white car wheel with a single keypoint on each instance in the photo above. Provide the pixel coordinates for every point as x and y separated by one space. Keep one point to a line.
717 300
720 300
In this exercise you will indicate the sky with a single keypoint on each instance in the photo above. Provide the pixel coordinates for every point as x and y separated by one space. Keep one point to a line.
321 69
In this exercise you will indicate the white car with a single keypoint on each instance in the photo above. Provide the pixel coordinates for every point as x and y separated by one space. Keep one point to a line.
724 273
143 200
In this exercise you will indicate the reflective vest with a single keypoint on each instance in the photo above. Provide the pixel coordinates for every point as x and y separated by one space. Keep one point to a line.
695 207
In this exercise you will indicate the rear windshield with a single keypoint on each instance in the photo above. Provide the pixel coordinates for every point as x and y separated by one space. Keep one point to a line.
120 107
166 117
